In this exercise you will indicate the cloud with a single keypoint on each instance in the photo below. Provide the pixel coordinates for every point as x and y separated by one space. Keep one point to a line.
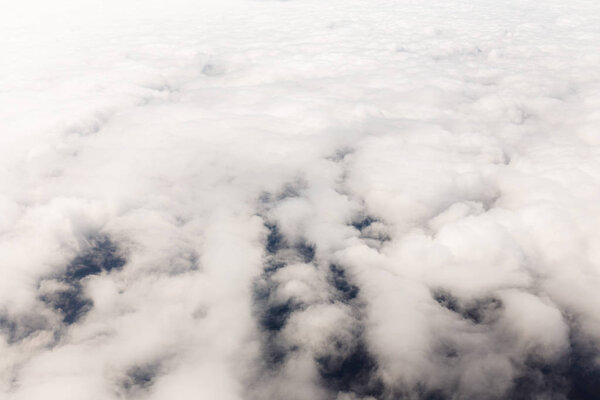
254 200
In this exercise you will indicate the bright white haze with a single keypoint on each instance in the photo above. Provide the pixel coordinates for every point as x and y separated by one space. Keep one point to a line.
299 200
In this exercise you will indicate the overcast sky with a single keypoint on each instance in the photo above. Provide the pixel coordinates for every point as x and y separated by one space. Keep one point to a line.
299 200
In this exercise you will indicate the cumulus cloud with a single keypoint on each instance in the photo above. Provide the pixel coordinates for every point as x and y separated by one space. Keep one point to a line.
255 200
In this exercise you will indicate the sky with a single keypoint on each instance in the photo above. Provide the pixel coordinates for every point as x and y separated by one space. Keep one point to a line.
299 200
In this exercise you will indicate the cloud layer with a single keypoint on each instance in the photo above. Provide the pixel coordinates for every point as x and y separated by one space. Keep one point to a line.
342 200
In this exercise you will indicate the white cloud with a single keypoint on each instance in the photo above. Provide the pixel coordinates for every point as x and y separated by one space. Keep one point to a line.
304 200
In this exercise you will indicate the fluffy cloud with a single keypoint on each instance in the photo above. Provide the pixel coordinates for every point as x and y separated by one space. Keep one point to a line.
299 200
